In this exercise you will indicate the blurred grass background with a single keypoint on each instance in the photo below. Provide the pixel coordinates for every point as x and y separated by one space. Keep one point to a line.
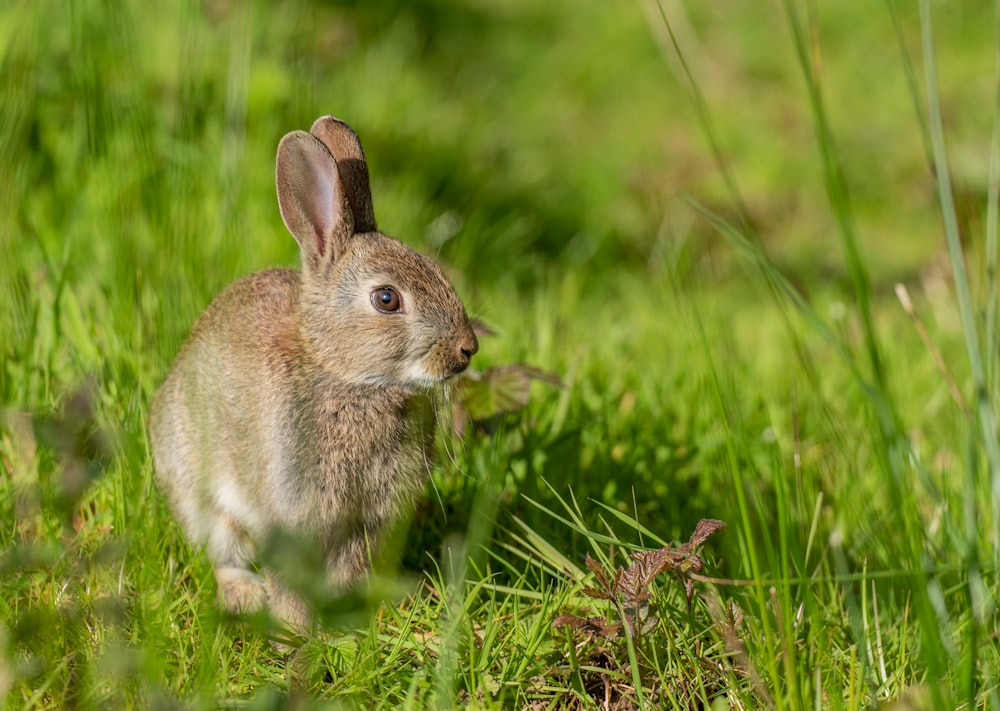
537 149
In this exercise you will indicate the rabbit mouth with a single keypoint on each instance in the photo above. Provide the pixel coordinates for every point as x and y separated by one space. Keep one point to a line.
439 362
419 377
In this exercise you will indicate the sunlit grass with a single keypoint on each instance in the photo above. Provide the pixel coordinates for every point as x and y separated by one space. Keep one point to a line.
735 354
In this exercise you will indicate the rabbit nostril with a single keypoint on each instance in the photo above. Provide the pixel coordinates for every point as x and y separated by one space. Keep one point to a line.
470 347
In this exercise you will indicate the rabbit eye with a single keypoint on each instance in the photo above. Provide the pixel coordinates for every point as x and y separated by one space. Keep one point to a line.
386 299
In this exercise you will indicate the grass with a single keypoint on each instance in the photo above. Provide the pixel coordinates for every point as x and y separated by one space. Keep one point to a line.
696 222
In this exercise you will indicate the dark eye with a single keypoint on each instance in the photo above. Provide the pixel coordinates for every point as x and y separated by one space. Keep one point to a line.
386 299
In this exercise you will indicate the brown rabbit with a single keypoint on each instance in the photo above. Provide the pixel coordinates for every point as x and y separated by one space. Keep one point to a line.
301 401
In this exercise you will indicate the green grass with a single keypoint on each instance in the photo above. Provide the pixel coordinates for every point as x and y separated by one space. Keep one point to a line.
695 215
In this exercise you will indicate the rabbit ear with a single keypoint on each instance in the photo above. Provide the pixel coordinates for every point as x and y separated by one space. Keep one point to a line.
345 148
312 199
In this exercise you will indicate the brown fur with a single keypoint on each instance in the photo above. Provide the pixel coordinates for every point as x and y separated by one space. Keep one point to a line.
296 405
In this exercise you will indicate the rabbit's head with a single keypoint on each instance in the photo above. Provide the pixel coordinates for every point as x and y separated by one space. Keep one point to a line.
372 310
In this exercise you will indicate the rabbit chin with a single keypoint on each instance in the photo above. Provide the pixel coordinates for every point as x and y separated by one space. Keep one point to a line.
417 377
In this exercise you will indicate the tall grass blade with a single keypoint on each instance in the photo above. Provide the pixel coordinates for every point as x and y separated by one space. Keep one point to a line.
980 605
963 293
993 239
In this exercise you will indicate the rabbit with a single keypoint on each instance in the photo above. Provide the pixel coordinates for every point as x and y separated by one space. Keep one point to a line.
302 402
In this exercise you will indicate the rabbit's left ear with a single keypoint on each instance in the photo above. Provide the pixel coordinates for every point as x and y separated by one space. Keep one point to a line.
345 147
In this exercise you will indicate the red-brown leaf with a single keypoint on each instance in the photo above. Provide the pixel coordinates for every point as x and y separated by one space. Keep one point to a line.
646 565
608 585
705 528
495 391
597 594
594 626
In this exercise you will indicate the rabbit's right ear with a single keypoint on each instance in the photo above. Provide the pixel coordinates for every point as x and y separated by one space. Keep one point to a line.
345 147
311 198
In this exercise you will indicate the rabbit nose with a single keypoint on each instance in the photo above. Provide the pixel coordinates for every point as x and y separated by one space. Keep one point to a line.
466 348
469 348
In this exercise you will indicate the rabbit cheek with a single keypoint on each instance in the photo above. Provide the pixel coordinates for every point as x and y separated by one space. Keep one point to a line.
382 348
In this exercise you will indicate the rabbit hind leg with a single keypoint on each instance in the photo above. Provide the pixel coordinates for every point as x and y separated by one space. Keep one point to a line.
350 561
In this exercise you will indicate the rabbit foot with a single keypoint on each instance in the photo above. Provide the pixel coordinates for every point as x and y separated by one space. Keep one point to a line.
240 590
287 606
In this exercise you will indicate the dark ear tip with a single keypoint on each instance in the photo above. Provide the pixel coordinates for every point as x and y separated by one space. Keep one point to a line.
328 123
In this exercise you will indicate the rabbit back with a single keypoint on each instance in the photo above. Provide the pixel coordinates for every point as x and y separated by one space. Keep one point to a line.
225 391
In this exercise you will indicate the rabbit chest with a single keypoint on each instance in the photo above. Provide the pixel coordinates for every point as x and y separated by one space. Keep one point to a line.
362 454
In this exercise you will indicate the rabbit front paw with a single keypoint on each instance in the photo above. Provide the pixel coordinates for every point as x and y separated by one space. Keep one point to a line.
240 590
